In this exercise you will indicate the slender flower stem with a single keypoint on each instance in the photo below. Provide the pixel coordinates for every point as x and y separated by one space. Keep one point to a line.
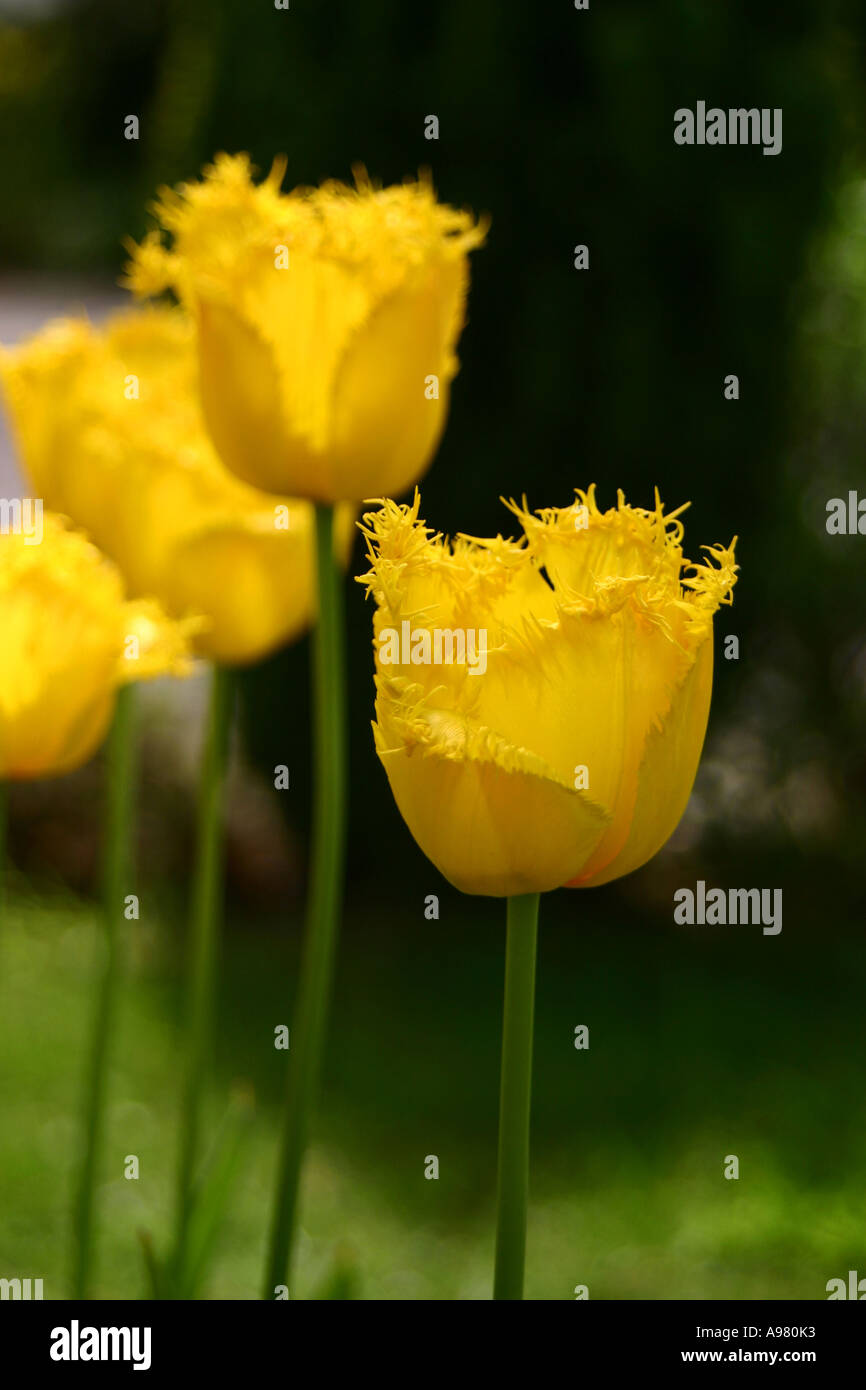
206 913
514 1096
4 865
117 871
324 905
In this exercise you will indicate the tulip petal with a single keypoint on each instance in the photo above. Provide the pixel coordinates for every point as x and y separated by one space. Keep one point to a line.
271 598
386 422
490 816
65 648
241 395
666 776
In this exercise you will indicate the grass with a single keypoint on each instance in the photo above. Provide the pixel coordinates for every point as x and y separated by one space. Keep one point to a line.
702 1044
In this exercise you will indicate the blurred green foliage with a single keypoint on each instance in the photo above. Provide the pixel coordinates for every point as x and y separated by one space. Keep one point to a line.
629 1138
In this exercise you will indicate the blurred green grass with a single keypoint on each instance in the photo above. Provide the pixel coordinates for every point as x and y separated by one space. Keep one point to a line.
701 1045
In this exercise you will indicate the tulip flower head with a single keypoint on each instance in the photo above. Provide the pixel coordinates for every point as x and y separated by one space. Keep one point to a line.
68 639
110 434
541 704
327 320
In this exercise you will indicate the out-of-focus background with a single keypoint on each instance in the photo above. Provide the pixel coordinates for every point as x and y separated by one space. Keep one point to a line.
704 1042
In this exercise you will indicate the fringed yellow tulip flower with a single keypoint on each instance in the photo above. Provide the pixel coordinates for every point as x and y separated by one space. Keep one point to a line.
110 433
327 322
68 640
541 704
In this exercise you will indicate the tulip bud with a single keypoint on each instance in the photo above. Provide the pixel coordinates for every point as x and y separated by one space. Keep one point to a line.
323 316
68 639
138 472
570 757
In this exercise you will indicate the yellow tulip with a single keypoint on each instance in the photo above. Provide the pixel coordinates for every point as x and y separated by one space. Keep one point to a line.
563 747
111 435
68 639
327 322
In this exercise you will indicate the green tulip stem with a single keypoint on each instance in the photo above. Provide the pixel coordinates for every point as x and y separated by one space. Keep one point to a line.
117 884
324 902
514 1096
206 914
4 865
